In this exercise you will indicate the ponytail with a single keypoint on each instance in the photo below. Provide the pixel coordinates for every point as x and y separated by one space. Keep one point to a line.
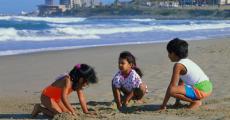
138 70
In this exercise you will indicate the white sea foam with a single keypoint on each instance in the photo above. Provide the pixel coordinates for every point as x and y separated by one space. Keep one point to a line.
143 20
102 31
34 35
61 32
45 19
193 26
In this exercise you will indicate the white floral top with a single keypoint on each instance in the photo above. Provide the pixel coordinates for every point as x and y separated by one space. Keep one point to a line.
128 83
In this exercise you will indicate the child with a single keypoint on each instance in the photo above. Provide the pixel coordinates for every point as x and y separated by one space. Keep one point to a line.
128 81
194 85
54 98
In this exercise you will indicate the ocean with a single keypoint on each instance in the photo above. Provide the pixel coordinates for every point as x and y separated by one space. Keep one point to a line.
22 35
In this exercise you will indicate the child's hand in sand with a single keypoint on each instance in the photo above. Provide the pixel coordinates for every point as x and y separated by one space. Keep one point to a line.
91 114
123 108
119 106
140 101
163 107
74 114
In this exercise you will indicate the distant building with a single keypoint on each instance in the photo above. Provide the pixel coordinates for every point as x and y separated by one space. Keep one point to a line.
168 4
77 3
46 10
186 2
118 3
66 3
204 2
49 8
213 2
148 3
90 3
49 2
224 2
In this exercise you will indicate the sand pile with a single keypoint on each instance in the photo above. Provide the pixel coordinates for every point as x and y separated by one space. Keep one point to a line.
65 116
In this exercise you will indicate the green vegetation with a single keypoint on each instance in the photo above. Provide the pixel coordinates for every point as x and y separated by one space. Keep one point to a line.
157 13
134 10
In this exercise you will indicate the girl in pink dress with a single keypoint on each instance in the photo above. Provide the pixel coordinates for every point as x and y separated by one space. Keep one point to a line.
128 81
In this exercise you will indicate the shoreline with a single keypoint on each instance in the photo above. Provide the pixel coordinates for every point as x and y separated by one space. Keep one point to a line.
34 51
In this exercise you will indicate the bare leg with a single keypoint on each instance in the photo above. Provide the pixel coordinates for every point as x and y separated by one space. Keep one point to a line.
51 107
177 103
179 93
139 93
36 110
182 97
195 104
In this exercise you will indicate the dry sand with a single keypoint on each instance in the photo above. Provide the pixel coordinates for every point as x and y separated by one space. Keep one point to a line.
22 77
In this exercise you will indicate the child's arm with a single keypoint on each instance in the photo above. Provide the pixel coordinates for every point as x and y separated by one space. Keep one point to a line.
117 96
174 80
116 90
82 100
65 96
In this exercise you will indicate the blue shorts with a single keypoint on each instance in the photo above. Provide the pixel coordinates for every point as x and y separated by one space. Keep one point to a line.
190 93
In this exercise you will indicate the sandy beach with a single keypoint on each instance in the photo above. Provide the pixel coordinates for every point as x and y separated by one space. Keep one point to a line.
22 78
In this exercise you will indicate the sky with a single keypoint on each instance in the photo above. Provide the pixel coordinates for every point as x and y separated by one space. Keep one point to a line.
16 6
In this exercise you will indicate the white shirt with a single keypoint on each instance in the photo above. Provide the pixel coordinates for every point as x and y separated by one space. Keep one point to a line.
194 73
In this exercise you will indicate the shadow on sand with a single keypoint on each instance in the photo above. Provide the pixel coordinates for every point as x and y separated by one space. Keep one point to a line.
21 116
142 108
94 103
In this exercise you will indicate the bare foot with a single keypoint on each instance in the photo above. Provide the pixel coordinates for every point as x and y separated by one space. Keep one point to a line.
141 101
177 104
195 104
36 110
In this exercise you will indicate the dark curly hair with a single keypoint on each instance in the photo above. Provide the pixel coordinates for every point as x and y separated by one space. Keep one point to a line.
82 71
131 60
179 47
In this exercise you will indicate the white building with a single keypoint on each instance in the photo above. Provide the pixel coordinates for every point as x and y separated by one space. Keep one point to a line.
80 3
90 3
224 2
76 3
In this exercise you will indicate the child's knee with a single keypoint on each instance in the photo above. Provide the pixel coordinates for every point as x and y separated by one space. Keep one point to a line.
143 87
139 93
172 91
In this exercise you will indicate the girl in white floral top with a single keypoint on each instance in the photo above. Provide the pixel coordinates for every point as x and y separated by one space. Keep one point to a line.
128 81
